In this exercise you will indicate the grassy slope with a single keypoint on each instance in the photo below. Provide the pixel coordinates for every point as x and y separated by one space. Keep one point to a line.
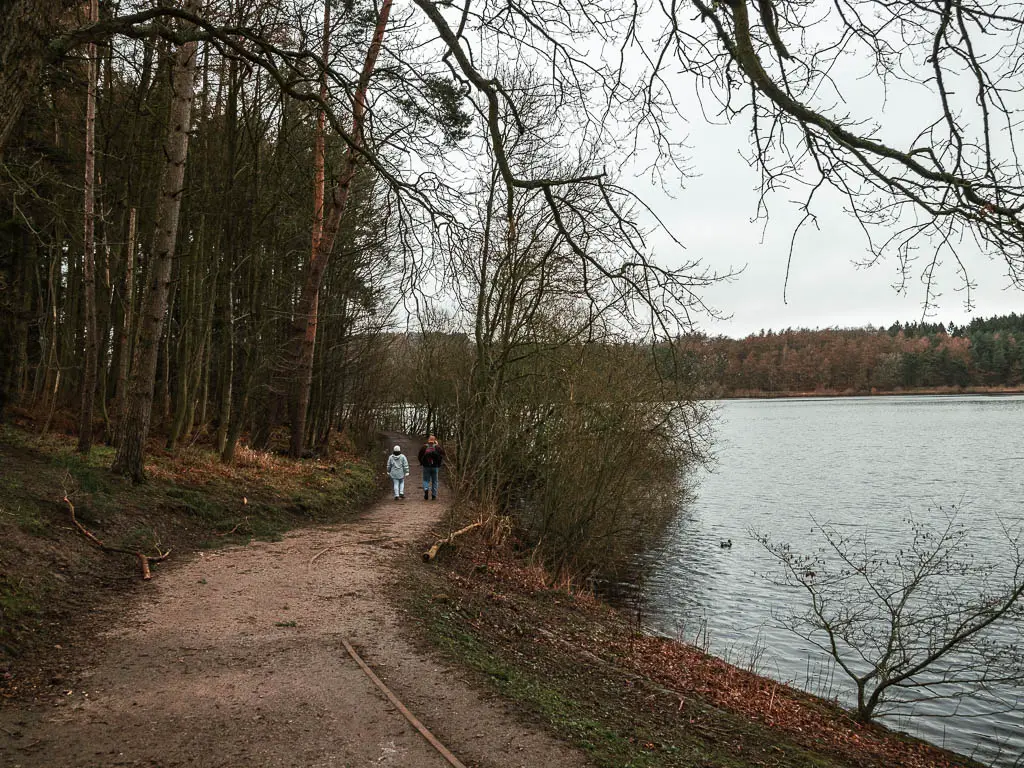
53 582
578 667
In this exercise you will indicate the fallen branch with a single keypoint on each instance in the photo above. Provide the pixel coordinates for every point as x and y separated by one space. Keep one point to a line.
145 561
431 553
232 531
318 554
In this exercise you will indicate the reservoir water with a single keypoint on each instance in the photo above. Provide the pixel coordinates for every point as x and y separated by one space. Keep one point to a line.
862 465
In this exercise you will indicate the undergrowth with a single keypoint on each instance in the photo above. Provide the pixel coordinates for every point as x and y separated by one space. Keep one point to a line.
50 574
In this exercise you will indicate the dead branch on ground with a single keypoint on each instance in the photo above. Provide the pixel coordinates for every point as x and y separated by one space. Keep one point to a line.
316 557
235 529
145 561
431 553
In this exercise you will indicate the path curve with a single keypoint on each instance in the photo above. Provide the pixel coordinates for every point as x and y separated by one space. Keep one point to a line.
237 659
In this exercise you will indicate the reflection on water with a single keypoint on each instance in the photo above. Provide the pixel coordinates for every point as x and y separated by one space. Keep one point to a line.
860 463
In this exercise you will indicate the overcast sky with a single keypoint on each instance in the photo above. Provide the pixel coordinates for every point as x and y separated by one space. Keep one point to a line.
713 216
828 285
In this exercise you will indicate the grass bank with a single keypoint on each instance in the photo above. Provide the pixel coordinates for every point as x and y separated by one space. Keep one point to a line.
56 587
581 669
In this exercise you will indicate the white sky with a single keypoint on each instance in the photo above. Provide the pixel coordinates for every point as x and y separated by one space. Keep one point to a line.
713 215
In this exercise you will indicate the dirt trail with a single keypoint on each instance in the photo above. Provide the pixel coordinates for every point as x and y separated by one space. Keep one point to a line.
236 659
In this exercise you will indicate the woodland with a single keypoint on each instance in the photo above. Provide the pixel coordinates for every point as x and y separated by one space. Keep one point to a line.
918 356
229 222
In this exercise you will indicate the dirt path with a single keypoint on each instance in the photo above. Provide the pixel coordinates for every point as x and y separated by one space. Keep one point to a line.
237 660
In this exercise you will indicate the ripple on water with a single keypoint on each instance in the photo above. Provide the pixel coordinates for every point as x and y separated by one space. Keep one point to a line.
862 464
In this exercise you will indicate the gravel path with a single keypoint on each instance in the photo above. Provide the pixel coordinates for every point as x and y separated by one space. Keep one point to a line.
236 659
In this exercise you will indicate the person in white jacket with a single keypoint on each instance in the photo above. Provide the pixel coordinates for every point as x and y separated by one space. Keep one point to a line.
398 470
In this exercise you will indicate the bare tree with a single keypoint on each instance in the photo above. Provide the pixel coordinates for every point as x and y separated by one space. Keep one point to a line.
939 188
925 617
561 416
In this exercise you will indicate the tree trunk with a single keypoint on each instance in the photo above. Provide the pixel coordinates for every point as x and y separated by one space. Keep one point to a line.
70 329
128 320
21 362
89 255
183 353
205 370
306 318
229 244
104 318
164 358
227 454
319 175
51 324
306 315
228 361
139 403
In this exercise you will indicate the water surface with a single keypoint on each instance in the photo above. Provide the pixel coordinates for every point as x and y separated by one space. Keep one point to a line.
862 465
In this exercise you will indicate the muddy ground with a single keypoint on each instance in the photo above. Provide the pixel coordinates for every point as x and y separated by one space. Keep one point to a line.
235 657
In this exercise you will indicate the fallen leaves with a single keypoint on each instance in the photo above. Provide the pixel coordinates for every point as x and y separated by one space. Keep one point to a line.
506 598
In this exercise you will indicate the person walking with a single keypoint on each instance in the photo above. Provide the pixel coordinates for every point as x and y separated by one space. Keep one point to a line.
398 470
431 457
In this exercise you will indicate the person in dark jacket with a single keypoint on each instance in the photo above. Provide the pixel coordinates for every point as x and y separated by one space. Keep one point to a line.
431 457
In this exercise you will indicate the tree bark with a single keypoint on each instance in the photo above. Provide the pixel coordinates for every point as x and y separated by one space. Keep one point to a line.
431 553
21 327
89 255
50 325
318 146
183 353
139 402
228 361
306 323
306 315
128 320
228 246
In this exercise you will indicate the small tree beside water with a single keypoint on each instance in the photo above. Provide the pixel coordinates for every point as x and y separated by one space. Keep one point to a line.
567 408
930 619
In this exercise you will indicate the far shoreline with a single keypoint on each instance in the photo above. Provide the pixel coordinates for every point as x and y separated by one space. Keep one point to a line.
830 394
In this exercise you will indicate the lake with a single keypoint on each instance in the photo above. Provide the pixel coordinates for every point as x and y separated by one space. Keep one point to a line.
862 465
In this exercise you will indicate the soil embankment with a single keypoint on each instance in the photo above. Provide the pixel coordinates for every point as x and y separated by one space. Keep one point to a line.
589 674
235 657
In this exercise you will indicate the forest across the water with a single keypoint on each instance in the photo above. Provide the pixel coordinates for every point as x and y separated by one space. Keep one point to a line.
985 353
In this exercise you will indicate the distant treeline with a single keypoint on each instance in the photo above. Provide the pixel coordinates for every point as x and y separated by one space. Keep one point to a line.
984 353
